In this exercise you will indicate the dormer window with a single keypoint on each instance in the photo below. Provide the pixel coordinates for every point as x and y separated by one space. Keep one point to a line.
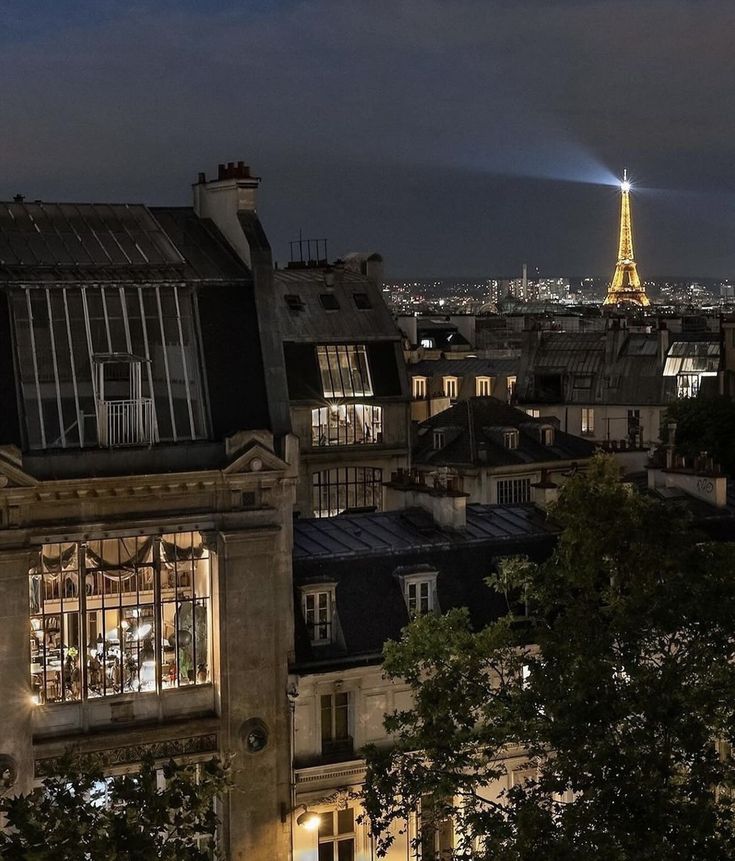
510 438
294 302
419 590
439 440
547 435
344 370
318 607
483 387
450 388
419 388
427 343
329 301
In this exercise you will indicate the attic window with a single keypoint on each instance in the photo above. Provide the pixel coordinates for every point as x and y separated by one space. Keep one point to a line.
362 301
438 440
547 435
450 387
483 387
419 388
318 607
294 302
510 438
419 590
329 301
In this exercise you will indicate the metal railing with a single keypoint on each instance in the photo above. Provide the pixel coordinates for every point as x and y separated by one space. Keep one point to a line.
131 422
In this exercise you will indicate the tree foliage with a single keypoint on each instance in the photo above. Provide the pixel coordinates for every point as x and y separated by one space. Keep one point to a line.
77 814
612 672
706 425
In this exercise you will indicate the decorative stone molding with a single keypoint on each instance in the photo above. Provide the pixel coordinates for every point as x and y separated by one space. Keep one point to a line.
167 749
254 734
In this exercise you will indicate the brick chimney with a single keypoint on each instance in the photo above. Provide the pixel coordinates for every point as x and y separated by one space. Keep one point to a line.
222 199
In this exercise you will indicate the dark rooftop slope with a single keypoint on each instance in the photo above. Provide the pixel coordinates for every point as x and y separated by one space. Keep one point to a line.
473 436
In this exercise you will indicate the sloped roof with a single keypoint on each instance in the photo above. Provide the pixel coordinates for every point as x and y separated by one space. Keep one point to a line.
363 553
474 440
96 242
472 366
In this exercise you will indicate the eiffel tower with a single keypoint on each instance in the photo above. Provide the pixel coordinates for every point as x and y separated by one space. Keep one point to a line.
626 285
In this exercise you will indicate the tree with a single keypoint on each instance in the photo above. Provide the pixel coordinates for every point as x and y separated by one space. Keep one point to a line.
77 814
705 424
614 675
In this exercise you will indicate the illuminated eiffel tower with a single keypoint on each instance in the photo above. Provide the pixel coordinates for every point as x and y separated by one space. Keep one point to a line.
626 285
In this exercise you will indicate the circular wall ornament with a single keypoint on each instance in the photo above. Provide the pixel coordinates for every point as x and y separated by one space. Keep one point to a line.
256 464
254 735
8 771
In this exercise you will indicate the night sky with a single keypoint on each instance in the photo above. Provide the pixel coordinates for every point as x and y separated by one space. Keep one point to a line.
457 138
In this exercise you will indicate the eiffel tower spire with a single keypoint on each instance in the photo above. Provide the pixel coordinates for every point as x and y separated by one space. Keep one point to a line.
626 285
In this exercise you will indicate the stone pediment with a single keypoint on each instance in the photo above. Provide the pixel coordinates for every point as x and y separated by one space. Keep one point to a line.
11 472
255 457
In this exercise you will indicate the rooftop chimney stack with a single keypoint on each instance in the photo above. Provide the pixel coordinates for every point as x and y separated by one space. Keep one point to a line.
224 198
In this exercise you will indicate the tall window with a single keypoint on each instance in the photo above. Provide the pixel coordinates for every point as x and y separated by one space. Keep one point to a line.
335 721
419 388
120 615
437 831
588 420
510 438
62 333
510 384
337 835
318 616
344 370
483 387
450 388
336 490
513 491
418 598
347 424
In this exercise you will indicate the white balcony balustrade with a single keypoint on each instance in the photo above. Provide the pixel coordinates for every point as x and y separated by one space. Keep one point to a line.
126 422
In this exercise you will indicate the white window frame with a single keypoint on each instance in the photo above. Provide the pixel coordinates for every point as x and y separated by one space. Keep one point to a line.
419 387
547 434
336 837
534 413
450 387
511 439
439 440
510 387
344 370
587 420
314 600
419 592
484 387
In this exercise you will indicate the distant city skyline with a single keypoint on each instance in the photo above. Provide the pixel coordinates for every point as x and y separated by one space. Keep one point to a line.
470 136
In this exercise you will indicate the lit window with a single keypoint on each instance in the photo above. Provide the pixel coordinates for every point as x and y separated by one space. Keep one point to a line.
687 385
419 388
450 388
427 343
438 440
337 835
335 724
347 424
510 383
483 387
534 413
513 491
588 420
510 438
344 371
99 610
317 606
547 436
346 487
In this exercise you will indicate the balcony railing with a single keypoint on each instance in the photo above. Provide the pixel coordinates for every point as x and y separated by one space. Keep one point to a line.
121 423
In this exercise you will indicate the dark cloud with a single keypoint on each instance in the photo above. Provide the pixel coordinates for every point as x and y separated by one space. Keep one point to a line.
456 137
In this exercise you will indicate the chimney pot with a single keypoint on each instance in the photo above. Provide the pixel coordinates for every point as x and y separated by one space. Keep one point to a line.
202 177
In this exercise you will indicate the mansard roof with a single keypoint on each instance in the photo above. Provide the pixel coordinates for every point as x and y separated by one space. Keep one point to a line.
363 553
475 439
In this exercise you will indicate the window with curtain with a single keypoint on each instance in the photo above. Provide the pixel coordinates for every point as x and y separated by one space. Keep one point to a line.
120 615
